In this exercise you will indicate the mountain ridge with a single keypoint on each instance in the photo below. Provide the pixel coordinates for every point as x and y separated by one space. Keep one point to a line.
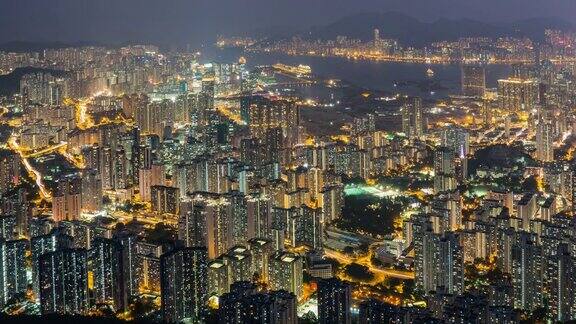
413 32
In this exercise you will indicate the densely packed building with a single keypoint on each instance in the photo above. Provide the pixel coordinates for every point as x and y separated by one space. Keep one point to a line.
137 179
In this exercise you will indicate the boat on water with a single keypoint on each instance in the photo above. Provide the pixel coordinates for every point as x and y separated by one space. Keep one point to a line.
430 72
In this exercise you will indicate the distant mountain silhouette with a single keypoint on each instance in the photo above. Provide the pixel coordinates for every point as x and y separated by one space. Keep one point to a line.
411 31
271 32
18 46
534 27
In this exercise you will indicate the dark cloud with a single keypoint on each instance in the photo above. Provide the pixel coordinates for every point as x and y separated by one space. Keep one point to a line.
195 21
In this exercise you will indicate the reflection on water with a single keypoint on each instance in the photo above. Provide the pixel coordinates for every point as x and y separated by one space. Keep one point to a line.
407 78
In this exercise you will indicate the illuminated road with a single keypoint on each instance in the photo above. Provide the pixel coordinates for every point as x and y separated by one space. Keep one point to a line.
142 217
516 136
480 138
47 150
562 139
82 114
499 137
76 161
83 118
60 148
345 259
229 113
44 193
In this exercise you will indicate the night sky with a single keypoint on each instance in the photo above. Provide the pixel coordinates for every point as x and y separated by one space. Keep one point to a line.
197 21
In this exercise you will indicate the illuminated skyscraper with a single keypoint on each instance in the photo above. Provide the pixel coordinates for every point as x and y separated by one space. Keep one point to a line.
192 223
91 157
67 199
451 263
261 249
13 279
426 255
285 271
46 243
544 141
81 233
151 174
456 139
165 200
9 170
107 273
473 80
149 274
130 265
259 209
218 224
64 282
362 125
233 304
106 167
332 202
17 203
527 272
413 118
562 274
239 261
518 92
526 209
444 170
154 116
91 190
184 284
374 312
243 304
218 277
7 227
486 112
263 114
334 301
305 227
120 174
204 111
239 221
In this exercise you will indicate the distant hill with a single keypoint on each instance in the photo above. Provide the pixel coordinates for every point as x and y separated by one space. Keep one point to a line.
10 83
534 27
411 31
271 32
20 47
